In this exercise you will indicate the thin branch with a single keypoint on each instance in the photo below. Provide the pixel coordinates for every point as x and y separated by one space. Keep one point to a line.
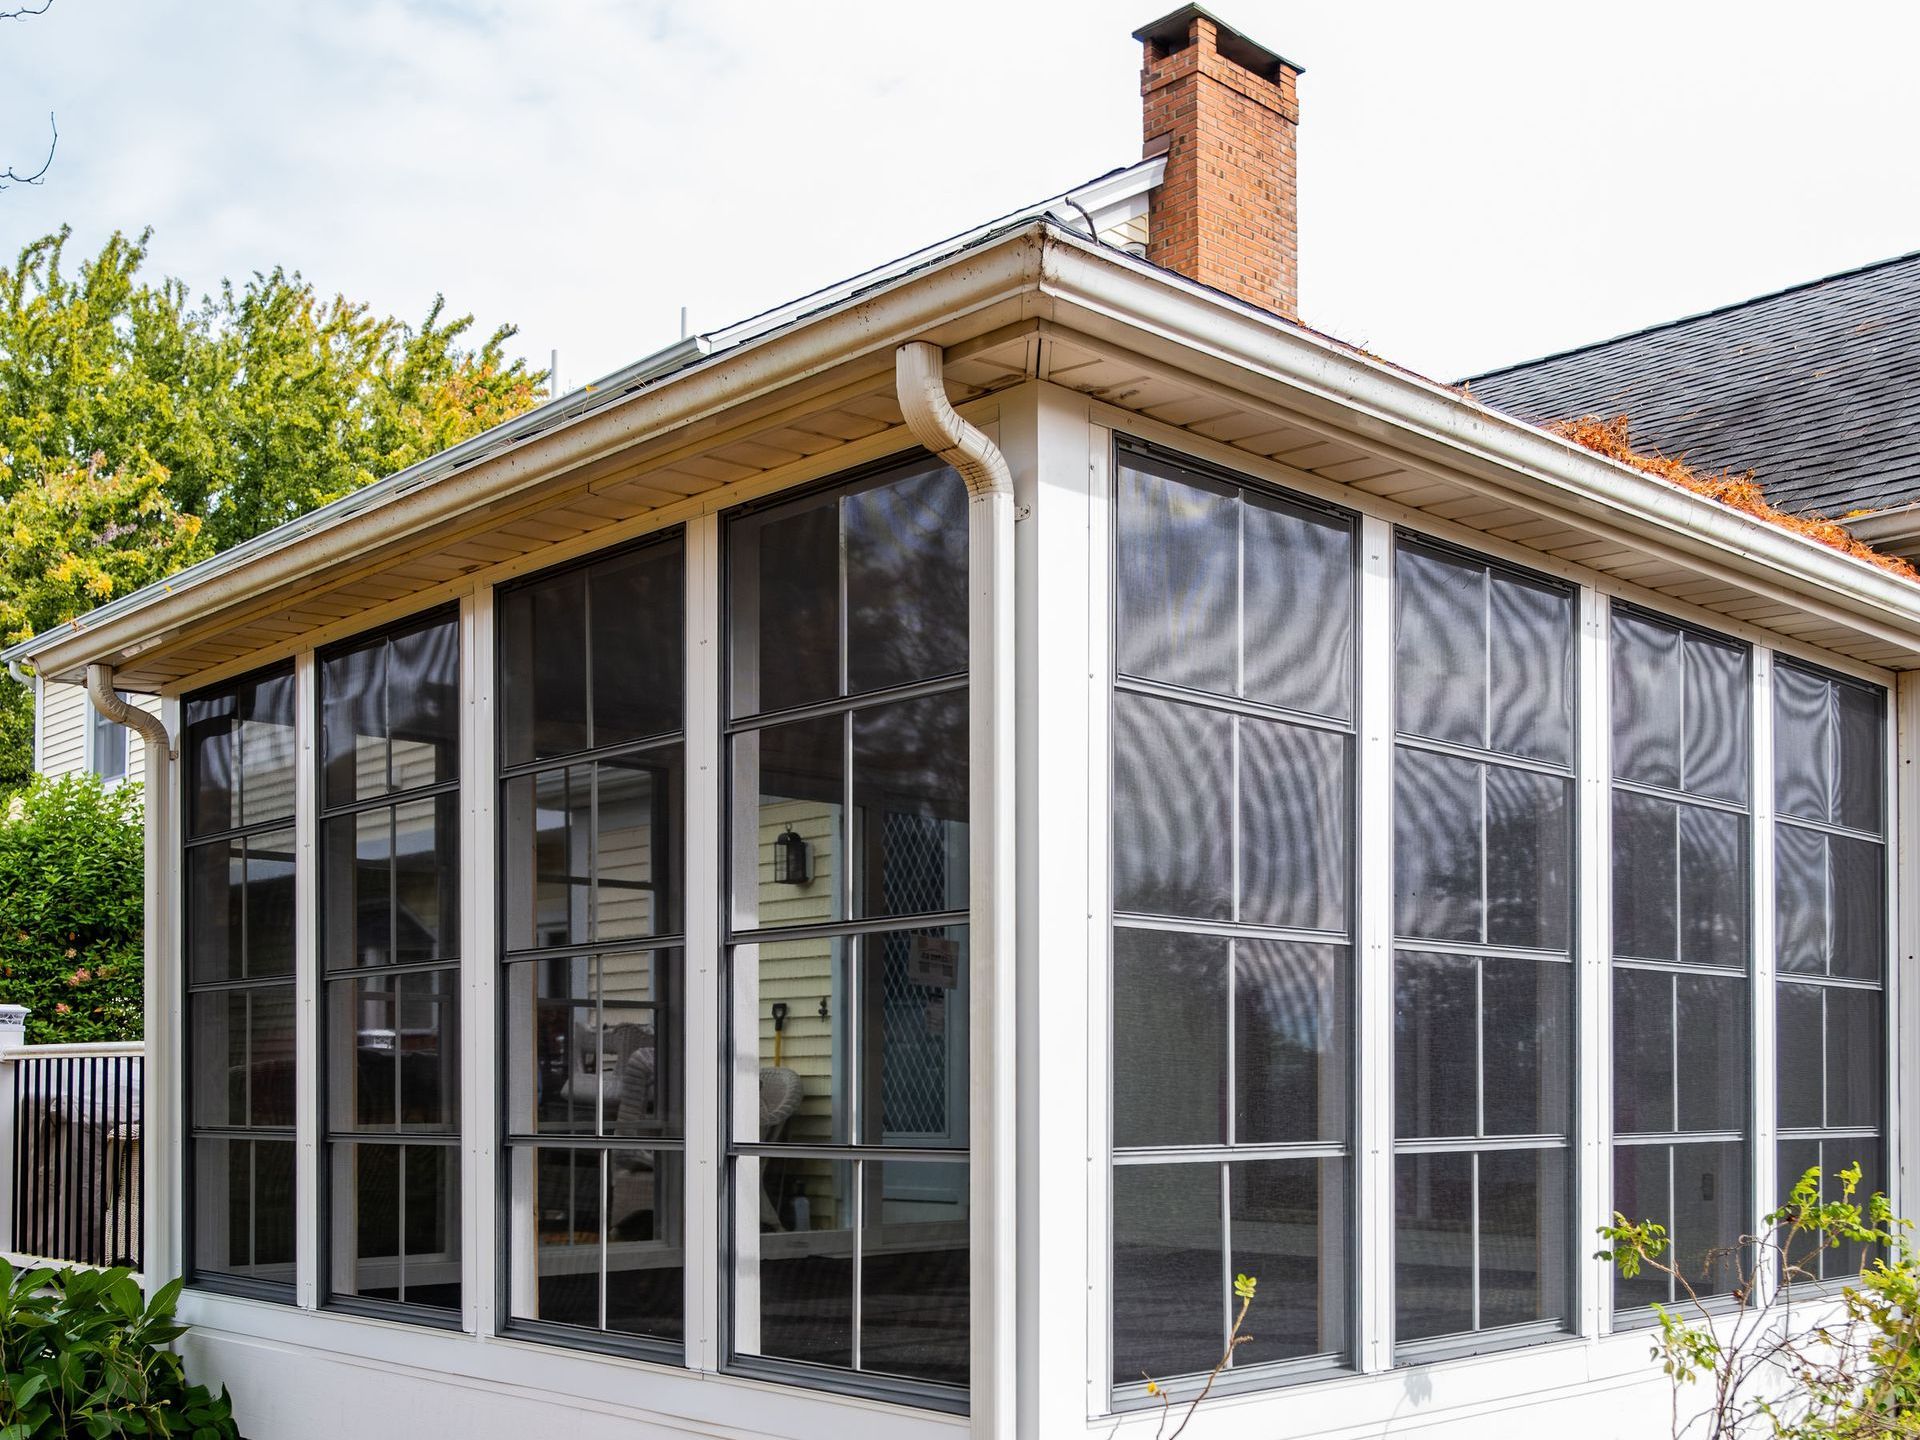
10 176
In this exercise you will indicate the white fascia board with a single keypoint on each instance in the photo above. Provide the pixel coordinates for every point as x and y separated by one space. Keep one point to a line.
1002 268
1212 338
611 389
1233 347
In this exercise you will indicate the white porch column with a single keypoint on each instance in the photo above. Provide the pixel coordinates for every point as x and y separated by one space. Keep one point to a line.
160 1137
1060 464
991 1049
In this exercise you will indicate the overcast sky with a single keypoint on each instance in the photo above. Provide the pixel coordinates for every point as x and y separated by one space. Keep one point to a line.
1481 183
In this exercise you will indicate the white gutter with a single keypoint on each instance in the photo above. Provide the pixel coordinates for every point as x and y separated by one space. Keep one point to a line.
1901 522
1138 310
921 386
335 535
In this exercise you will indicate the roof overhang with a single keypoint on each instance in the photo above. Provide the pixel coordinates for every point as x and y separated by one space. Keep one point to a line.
1895 531
1032 300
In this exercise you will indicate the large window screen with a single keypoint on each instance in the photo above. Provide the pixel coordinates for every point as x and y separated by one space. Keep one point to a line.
240 860
1483 815
389 831
1232 846
1830 923
592 977
1682 758
846 751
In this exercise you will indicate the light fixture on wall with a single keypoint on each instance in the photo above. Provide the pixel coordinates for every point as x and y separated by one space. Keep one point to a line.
791 859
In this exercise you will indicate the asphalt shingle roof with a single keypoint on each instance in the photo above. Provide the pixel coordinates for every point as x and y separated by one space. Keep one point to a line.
1816 389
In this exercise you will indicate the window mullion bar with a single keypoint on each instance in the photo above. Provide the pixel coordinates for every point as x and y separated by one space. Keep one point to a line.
1473 1228
308 989
1235 823
1232 1117
1673 1053
1673 1218
399 1226
605 1202
1591 1102
702 1055
1226 1258
1372 1319
1479 1049
859 1252
1762 1041
1901 815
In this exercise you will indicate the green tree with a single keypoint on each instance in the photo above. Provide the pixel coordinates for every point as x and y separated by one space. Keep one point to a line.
141 430
70 909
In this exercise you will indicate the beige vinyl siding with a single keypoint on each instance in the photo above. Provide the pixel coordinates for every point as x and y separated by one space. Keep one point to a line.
800 972
65 714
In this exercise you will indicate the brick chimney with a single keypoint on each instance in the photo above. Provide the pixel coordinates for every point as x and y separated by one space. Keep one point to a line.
1225 112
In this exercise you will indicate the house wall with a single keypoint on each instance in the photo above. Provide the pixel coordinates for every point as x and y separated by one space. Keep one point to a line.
65 715
299 1371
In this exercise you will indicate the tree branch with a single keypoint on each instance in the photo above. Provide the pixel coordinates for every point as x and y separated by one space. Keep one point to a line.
10 176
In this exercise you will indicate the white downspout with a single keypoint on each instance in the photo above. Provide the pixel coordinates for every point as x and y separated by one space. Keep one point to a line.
108 702
156 792
921 385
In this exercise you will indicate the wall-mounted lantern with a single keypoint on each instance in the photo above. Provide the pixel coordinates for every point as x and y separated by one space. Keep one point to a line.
791 859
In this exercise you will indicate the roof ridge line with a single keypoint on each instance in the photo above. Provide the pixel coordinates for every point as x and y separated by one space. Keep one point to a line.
1688 319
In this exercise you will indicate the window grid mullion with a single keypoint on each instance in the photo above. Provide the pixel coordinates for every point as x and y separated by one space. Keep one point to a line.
1473 1231
1226 1259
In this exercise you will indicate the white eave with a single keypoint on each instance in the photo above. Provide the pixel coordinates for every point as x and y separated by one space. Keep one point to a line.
1047 271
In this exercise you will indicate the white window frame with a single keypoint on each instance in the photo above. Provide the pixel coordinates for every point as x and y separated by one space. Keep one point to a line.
90 746
1333 1402
1059 444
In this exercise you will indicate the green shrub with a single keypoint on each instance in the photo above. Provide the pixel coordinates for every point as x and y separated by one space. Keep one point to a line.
70 909
83 1353
1785 1357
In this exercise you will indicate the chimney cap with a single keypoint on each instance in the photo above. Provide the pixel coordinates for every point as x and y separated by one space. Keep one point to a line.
1235 46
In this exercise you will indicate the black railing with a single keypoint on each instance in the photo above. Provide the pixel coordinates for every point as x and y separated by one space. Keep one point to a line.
77 1166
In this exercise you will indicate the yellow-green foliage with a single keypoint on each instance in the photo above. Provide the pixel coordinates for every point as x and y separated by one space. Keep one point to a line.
141 430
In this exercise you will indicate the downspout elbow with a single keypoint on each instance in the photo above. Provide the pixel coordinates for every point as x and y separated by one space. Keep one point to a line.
108 702
920 382
19 675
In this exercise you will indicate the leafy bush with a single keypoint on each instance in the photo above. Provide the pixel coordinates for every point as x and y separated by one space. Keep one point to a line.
1773 1360
70 909
82 1353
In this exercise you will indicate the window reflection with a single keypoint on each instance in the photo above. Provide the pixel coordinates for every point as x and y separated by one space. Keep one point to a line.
390 944
1483 854
850 1042
590 669
238 889
1233 793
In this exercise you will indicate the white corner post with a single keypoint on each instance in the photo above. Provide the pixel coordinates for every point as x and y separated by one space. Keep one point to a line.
1905 1136
159 1141
921 386
13 1034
